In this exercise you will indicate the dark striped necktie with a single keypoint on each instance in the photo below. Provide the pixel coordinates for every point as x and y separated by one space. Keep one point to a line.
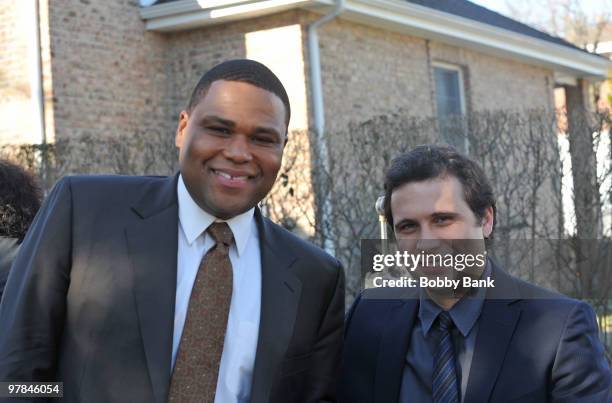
444 387
196 370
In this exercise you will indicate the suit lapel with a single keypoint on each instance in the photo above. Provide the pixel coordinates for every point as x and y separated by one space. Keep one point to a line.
152 241
393 347
497 322
280 295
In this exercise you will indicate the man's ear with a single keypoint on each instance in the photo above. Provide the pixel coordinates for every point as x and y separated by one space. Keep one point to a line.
180 129
487 222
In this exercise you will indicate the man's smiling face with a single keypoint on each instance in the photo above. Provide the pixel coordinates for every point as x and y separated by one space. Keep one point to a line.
436 209
433 216
231 147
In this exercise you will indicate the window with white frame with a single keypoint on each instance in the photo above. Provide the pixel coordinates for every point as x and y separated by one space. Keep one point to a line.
450 104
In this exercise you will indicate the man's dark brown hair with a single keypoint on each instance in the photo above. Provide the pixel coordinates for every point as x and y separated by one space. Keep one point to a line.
432 161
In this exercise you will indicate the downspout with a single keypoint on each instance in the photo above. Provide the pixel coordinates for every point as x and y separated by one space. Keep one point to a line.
318 108
37 91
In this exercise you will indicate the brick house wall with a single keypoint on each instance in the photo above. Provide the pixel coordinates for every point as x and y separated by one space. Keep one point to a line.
494 83
116 77
105 75
16 103
109 74
368 72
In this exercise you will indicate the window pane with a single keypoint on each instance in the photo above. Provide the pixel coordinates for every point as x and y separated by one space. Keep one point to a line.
448 101
448 94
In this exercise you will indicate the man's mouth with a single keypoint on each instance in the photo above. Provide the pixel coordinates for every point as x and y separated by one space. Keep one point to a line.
232 178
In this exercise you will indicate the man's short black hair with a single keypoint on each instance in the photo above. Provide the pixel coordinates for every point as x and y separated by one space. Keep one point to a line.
432 161
20 197
243 70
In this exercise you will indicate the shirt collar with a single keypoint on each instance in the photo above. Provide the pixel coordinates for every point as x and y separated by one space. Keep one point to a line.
464 313
195 221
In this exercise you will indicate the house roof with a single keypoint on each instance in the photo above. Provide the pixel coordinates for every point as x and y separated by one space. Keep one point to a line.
472 11
457 22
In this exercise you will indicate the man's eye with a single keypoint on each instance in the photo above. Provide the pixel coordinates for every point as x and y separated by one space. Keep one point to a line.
264 140
441 220
407 227
218 129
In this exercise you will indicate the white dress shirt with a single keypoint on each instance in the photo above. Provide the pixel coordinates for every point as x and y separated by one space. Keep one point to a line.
238 358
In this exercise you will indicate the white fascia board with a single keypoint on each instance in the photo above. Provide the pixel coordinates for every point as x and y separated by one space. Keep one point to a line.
564 79
448 28
169 9
396 15
188 14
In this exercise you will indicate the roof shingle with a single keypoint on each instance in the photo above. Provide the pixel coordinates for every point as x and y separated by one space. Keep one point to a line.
472 11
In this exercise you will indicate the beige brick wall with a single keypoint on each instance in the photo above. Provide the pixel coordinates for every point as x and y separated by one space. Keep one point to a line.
368 72
494 83
115 77
109 74
16 103
191 53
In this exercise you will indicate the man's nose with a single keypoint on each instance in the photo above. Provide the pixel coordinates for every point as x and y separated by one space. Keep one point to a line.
238 149
427 241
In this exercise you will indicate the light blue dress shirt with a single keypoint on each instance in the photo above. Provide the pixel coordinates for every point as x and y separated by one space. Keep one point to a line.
417 376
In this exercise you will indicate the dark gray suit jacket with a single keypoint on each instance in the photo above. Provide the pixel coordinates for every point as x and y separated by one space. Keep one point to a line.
533 346
90 301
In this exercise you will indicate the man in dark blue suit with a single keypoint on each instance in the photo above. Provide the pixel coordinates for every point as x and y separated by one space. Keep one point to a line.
511 342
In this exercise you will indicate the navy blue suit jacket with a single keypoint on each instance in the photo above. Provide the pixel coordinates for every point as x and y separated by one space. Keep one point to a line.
533 345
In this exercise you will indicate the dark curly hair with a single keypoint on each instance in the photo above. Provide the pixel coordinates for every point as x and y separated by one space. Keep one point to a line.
20 197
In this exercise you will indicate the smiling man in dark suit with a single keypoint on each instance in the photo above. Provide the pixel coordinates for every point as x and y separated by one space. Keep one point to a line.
513 342
144 289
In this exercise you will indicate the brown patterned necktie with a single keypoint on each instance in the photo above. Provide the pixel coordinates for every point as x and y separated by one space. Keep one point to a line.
197 363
